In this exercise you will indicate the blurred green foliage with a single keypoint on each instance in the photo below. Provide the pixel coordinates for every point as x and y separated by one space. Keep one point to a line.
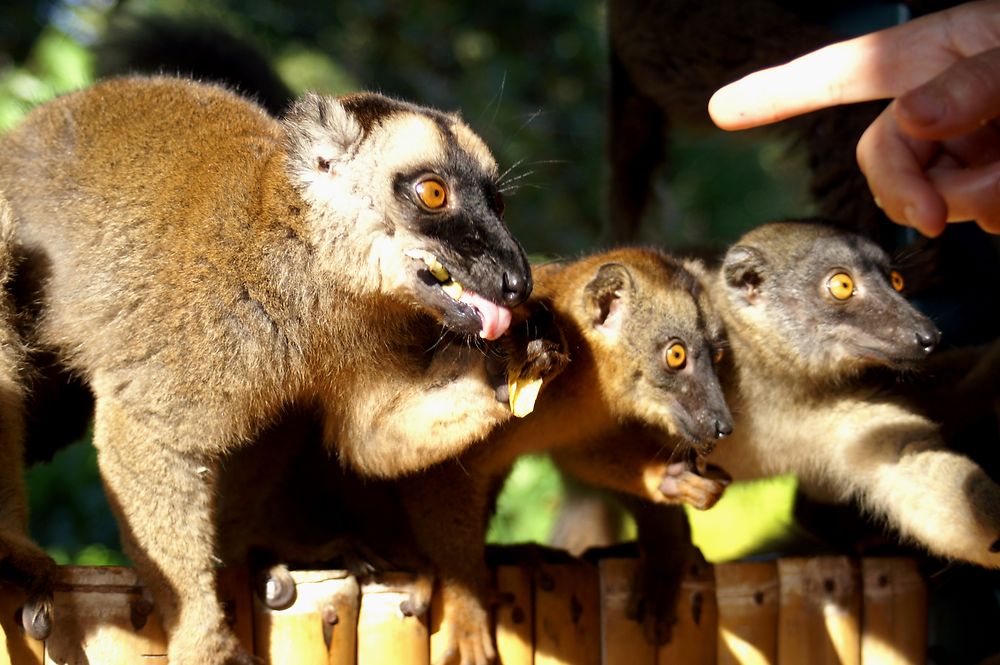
529 76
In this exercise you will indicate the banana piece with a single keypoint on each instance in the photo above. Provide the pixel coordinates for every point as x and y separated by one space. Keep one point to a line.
435 267
522 392
453 289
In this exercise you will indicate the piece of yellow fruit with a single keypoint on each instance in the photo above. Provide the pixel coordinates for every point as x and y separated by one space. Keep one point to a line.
453 289
435 267
522 393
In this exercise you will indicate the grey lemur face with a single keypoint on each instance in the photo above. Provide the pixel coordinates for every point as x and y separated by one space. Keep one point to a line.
823 300
665 361
420 189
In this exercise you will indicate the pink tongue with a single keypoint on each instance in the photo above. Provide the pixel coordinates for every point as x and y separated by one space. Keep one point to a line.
495 318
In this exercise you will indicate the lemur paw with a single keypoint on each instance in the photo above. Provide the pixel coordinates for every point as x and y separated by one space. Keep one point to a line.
682 484
656 591
533 350
418 600
467 641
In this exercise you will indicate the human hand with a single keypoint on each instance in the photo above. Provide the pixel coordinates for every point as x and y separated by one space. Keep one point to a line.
933 156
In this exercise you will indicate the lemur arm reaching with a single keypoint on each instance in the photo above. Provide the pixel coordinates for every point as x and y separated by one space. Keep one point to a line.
638 462
895 461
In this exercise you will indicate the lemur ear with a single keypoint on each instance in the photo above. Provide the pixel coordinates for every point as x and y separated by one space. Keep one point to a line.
744 268
320 132
608 297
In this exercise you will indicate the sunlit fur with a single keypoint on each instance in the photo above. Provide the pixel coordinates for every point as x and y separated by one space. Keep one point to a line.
204 266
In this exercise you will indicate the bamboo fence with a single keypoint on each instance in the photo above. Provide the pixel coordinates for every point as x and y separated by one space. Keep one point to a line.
790 611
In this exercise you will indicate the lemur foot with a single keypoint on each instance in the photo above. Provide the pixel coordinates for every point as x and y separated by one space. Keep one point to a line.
467 638
418 600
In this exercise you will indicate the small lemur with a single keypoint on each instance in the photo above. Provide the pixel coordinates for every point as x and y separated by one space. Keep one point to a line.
640 362
203 267
814 316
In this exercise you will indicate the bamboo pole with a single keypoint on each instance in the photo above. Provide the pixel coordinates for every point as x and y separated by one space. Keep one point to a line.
102 615
385 636
567 621
894 626
515 617
16 648
819 619
694 636
318 628
793 611
622 639
747 596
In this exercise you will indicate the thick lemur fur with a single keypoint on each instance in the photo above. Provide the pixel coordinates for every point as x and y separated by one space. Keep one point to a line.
204 267
620 313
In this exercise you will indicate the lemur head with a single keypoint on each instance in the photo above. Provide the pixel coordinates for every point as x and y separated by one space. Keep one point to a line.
416 192
808 297
654 347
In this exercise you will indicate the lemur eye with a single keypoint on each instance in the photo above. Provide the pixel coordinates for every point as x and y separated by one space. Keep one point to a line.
718 355
432 193
675 356
840 286
897 280
498 204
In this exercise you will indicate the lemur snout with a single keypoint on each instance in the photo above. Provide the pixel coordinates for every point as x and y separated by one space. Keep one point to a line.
516 288
928 339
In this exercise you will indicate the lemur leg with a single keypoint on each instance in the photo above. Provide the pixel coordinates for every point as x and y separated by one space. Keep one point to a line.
162 494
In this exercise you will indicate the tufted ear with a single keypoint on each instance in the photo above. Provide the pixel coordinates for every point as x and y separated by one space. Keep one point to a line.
320 132
608 297
744 269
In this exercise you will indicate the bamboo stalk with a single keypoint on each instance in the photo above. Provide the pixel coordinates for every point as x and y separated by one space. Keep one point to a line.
694 636
894 628
385 636
567 621
515 617
747 596
318 628
820 615
622 639
102 615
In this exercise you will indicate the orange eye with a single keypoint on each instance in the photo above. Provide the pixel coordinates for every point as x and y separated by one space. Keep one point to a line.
432 193
897 280
718 355
841 286
675 356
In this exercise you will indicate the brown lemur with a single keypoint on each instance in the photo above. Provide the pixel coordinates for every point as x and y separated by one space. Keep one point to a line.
814 320
203 267
640 364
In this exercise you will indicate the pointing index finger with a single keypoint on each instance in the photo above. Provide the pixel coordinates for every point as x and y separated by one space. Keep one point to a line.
856 70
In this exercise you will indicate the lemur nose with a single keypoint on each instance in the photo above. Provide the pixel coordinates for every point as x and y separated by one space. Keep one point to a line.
515 288
723 428
928 339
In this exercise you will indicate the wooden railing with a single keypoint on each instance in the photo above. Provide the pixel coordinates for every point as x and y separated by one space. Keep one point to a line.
793 610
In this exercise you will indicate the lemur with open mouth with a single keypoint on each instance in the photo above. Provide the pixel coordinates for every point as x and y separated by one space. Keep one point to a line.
204 267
